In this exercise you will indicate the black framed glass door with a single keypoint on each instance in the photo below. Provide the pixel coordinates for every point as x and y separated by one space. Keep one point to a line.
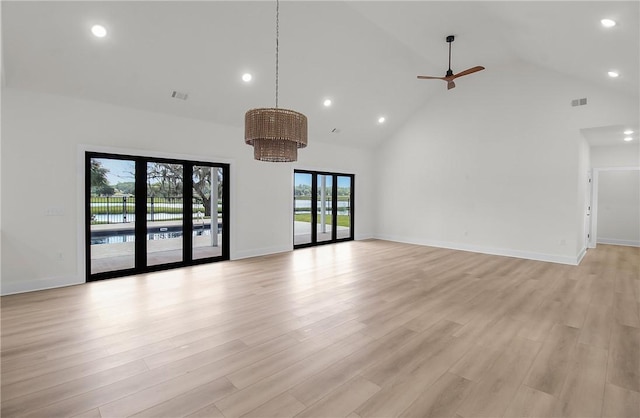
145 214
323 208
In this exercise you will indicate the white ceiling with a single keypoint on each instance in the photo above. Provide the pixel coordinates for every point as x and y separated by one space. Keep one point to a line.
363 55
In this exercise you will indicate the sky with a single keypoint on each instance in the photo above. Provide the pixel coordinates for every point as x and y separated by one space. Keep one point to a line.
304 178
120 171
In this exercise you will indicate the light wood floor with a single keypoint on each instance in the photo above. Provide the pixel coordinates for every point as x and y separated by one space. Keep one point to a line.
357 329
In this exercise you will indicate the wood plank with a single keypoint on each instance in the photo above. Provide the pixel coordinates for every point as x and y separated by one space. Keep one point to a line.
441 399
281 406
491 396
583 389
407 384
342 400
66 390
183 404
271 365
552 363
626 311
262 391
319 385
209 411
620 402
449 333
597 326
476 362
531 403
409 356
624 357
92 413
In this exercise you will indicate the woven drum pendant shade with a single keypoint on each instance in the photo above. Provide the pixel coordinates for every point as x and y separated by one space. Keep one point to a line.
275 134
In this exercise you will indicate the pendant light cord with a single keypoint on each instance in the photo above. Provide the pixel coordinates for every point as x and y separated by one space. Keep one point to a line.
277 45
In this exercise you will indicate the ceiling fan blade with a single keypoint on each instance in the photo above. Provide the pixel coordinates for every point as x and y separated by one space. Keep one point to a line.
428 77
469 71
450 85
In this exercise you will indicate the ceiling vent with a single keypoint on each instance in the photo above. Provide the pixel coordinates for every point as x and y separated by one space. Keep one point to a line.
579 102
179 95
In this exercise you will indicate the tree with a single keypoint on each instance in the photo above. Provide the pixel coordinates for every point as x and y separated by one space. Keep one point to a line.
98 174
166 180
202 186
104 190
99 182
302 190
127 187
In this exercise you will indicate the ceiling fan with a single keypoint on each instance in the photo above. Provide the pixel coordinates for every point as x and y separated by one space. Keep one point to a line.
450 76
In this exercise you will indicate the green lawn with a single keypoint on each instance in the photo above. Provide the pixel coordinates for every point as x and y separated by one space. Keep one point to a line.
340 198
343 220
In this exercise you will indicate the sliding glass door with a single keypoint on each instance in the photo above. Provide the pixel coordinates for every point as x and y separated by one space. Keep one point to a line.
145 214
208 215
112 214
344 203
323 208
165 212
302 205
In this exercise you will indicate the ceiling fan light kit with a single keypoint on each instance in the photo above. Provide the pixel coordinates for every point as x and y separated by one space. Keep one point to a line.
275 133
450 76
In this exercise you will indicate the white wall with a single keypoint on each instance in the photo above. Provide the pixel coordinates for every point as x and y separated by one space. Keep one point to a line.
584 197
494 165
42 136
623 155
619 207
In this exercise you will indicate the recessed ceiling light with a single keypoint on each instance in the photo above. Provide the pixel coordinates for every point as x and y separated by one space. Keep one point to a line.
608 23
628 132
327 102
613 74
99 31
628 139
381 119
246 77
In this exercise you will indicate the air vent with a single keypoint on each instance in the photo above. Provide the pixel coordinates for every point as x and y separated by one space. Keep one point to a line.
579 102
179 95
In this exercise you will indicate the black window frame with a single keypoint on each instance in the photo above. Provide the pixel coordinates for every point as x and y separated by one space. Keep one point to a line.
141 208
334 210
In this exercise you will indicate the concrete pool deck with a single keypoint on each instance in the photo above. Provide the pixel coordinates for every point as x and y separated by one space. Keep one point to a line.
119 256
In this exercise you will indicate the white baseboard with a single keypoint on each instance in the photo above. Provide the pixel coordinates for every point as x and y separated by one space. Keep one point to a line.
613 241
257 252
551 258
361 237
10 288
581 255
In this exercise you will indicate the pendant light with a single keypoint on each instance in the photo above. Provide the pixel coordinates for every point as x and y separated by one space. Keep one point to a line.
275 133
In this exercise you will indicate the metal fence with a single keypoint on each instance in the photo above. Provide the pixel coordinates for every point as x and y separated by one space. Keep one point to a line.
121 209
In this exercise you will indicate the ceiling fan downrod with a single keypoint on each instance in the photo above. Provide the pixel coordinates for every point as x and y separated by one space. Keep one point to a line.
450 39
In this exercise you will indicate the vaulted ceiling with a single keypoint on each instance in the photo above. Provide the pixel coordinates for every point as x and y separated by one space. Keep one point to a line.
362 55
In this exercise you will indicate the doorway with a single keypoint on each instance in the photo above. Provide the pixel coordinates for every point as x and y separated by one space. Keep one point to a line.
615 208
146 214
323 207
